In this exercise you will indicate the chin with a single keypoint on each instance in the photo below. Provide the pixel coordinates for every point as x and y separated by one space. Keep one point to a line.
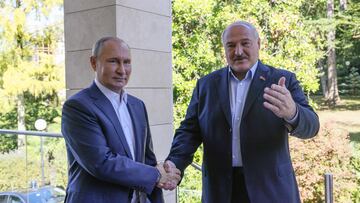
241 68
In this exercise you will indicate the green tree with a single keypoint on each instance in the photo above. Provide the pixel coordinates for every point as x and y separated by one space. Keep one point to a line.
28 71
351 83
340 33
348 45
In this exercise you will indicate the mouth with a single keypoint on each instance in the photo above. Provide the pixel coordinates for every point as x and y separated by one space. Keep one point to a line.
240 59
120 79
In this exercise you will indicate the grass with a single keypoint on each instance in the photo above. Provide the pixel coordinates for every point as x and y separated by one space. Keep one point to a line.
344 116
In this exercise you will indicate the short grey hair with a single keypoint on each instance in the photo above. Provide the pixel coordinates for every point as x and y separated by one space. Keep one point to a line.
97 47
248 25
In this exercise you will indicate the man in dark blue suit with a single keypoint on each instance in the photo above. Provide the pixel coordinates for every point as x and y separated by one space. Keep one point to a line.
108 138
242 114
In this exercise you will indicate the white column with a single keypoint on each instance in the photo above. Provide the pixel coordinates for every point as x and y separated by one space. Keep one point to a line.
146 26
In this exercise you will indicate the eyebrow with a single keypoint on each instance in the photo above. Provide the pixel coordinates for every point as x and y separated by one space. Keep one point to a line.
245 39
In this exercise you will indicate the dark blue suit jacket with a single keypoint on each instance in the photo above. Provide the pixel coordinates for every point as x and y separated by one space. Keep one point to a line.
101 168
267 166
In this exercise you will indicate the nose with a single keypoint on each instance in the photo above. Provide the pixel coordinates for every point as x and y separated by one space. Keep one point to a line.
238 50
121 68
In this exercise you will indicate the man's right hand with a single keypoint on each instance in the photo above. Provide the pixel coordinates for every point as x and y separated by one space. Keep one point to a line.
170 175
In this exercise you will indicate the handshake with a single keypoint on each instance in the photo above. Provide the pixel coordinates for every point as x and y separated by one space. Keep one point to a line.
170 175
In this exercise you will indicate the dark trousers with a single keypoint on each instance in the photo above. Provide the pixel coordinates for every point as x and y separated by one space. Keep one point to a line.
239 192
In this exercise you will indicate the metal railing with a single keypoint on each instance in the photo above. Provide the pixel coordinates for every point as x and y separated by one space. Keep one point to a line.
328 184
36 134
328 188
196 166
33 133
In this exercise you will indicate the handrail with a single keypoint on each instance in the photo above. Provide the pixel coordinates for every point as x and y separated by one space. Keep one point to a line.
196 166
34 133
47 134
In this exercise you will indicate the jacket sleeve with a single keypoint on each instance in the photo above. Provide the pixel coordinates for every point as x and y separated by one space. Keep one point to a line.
307 124
188 136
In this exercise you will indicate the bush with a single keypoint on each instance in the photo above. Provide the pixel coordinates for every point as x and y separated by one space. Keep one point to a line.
328 152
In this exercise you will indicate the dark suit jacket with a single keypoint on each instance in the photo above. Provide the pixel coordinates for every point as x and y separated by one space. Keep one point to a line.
267 167
101 168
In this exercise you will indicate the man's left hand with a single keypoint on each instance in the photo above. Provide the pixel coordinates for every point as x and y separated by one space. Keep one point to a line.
279 100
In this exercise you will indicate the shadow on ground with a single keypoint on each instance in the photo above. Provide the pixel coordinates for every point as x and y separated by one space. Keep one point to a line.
355 137
348 103
349 107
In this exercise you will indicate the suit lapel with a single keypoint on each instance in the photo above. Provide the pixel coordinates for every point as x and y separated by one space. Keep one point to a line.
257 85
223 93
105 106
135 111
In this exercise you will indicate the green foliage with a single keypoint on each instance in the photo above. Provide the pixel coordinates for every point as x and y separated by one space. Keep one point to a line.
19 168
43 106
348 35
190 188
347 42
191 185
351 83
28 67
355 162
8 142
46 106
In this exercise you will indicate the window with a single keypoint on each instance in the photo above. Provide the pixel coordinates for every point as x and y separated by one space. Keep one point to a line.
3 198
15 199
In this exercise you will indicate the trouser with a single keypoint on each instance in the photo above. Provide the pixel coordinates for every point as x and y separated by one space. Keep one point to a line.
239 192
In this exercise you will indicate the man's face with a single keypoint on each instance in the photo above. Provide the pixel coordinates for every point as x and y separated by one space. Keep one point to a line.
113 65
241 49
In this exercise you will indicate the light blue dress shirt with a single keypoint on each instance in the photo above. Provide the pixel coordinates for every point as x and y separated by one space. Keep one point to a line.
238 90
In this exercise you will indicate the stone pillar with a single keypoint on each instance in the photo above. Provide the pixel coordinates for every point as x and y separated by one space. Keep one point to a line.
146 27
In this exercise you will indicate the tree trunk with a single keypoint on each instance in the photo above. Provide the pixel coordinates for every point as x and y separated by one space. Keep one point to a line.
323 78
343 5
333 97
20 97
21 118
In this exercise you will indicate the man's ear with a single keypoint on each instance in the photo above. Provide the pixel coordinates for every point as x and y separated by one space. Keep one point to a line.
93 62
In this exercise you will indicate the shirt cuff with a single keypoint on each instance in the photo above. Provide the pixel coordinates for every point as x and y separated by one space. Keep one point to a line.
294 119
158 177
292 123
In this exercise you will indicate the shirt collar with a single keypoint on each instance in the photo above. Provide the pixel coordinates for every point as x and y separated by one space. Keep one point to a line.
249 75
111 95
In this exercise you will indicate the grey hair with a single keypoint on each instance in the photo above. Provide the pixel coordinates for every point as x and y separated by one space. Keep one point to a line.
96 50
248 25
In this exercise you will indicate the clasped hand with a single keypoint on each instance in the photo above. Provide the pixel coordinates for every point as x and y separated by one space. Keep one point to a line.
170 175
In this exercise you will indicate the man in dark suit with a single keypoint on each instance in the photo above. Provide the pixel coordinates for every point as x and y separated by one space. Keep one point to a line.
242 114
108 138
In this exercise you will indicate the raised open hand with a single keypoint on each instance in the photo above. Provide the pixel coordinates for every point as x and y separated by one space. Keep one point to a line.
279 100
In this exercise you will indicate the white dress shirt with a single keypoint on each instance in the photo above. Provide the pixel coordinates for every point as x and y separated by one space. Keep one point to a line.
119 103
238 90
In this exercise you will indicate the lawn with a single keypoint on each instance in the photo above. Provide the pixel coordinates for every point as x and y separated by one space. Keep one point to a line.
345 116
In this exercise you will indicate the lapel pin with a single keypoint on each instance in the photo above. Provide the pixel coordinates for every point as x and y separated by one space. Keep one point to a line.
262 78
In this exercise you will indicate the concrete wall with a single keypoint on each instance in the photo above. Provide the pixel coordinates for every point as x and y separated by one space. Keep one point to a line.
146 27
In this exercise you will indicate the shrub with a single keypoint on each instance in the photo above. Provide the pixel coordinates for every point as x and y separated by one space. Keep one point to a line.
328 152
